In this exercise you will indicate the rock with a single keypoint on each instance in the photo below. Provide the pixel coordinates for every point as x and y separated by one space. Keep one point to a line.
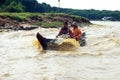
27 27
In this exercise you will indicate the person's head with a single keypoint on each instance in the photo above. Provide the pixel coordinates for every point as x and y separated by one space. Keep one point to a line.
74 24
65 24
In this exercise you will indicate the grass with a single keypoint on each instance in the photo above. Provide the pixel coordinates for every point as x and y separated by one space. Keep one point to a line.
46 20
20 16
53 24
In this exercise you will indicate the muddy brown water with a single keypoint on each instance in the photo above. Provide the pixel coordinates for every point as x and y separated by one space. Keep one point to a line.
20 59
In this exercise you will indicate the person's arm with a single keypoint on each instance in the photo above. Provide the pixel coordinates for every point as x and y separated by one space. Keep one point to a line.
71 34
59 32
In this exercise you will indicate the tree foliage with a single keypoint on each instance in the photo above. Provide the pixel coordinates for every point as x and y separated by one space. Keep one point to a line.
12 6
30 5
93 14
34 6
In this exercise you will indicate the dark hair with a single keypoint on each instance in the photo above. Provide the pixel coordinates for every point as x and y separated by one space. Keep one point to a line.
74 25
66 22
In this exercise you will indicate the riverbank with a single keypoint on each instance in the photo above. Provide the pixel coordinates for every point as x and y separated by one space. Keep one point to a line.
29 21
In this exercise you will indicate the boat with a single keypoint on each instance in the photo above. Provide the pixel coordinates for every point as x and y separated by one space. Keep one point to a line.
60 43
108 19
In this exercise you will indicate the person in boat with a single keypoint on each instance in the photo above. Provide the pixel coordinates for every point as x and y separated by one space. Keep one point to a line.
77 34
65 30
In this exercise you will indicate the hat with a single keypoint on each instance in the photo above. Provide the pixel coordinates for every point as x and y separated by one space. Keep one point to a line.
74 24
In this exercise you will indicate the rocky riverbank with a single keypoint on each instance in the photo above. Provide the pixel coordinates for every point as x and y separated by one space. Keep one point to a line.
29 21
14 24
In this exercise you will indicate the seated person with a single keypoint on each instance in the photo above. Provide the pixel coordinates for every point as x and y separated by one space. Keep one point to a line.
76 32
65 30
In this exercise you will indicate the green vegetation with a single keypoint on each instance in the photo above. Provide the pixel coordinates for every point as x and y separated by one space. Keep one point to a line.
54 24
23 6
34 6
95 14
11 6
46 20
16 16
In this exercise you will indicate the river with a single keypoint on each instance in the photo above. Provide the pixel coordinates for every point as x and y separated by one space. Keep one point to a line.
20 59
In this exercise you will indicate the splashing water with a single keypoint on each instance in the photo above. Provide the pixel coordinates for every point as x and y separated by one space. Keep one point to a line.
21 57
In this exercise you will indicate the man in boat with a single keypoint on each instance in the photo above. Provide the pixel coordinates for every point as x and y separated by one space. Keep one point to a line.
65 30
77 34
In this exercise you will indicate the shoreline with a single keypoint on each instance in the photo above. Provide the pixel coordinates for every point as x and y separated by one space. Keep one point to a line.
29 21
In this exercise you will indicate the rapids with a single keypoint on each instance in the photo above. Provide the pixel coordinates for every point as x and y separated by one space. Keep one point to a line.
22 59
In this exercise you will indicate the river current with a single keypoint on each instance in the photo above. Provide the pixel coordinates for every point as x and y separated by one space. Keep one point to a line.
20 59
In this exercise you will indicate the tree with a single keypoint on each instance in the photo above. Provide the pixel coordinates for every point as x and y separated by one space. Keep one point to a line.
46 7
2 2
15 7
30 5
12 6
